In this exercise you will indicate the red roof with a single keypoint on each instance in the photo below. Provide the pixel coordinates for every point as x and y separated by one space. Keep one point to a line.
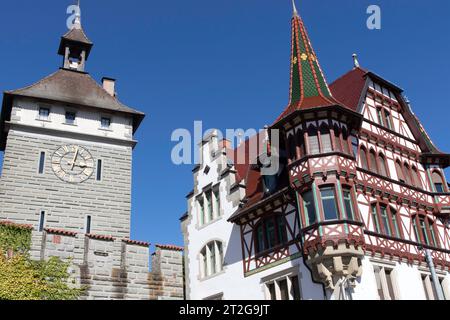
348 88
61 232
138 243
100 237
169 247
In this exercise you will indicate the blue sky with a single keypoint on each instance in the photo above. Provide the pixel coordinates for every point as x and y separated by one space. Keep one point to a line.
225 63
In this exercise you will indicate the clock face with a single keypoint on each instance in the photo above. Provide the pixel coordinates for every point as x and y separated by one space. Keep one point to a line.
72 164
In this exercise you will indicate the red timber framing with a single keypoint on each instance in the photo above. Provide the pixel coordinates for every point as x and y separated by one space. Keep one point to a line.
323 234
281 207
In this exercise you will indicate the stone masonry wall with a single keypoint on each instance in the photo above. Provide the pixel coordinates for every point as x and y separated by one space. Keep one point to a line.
115 269
167 276
24 193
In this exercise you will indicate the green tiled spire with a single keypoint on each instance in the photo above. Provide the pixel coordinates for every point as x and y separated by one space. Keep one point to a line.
307 79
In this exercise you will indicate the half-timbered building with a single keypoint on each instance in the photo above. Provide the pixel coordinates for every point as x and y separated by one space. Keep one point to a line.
359 208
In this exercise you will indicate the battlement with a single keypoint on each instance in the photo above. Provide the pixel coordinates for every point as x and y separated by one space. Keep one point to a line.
113 268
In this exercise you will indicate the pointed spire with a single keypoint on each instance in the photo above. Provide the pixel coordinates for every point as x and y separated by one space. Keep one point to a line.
294 9
355 61
309 87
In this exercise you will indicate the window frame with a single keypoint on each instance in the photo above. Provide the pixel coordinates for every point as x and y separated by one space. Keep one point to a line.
208 267
350 190
41 162
437 174
45 118
363 159
429 225
109 121
395 229
331 187
279 224
67 112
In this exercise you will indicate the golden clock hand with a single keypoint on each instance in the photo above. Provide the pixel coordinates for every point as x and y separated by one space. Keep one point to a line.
74 159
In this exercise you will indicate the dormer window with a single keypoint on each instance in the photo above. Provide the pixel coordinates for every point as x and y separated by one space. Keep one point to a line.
105 123
44 113
70 118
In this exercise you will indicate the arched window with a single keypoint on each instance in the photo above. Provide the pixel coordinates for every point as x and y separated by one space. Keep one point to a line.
337 138
424 229
325 138
309 208
399 169
408 175
373 161
438 182
329 205
211 259
301 151
416 177
345 142
382 165
313 140
270 233
363 158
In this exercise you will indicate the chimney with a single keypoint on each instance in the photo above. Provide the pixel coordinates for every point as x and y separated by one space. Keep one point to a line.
109 84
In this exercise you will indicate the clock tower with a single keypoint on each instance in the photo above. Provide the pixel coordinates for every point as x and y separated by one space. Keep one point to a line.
67 143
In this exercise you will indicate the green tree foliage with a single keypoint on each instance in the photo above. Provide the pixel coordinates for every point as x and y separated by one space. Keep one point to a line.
24 279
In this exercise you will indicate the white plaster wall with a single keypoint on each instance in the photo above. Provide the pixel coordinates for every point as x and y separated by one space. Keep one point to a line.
231 282
366 285
87 120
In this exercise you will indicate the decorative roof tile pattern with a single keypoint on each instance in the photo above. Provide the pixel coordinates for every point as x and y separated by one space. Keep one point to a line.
308 86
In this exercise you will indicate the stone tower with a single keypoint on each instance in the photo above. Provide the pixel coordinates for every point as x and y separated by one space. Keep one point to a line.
67 171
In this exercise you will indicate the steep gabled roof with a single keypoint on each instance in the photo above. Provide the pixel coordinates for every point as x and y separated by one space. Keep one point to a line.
349 88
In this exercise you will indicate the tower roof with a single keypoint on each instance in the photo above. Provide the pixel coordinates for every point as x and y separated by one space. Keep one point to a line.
308 86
